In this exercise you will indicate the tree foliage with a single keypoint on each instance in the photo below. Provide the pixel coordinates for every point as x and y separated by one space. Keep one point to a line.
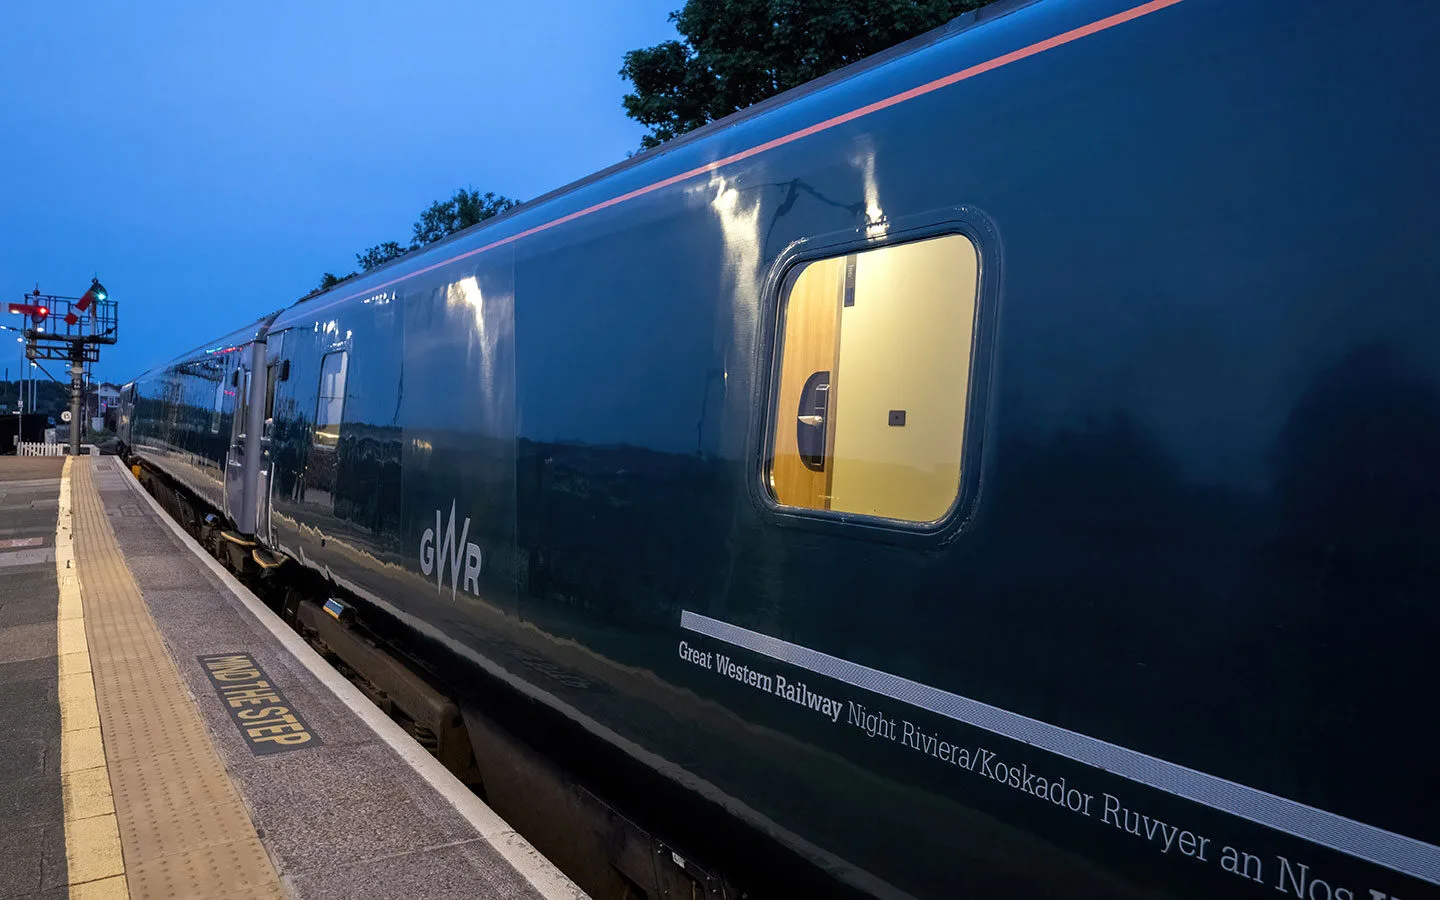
735 53
51 397
466 208
440 219
379 255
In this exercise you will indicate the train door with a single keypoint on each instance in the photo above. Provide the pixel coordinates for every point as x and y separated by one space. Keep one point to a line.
126 417
337 495
277 369
239 385
322 466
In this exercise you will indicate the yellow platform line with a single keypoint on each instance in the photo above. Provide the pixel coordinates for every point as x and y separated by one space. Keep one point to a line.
94 866
184 830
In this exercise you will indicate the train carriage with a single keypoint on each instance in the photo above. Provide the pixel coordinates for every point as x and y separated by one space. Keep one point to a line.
1003 468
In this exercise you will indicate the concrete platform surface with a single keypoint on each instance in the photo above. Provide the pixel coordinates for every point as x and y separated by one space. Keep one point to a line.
32 834
234 760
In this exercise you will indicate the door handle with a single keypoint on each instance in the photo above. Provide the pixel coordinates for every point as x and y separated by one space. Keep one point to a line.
810 425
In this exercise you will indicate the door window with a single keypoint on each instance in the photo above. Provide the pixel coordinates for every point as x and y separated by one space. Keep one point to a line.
330 406
241 386
219 407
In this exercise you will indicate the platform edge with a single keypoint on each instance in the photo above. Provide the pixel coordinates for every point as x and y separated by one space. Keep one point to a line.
548 881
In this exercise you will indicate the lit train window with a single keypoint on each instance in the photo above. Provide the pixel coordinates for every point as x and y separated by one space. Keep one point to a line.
330 405
868 416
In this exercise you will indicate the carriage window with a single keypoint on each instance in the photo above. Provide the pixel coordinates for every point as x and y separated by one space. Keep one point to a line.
869 412
331 403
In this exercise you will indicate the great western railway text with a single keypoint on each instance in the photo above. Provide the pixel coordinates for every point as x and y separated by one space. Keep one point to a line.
1287 876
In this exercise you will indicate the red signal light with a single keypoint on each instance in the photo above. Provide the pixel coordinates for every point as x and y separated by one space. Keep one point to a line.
30 309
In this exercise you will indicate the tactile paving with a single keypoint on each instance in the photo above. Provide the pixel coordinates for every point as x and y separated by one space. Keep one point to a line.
184 830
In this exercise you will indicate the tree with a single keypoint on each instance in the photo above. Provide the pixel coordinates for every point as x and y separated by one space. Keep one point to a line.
51 397
440 219
328 281
466 208
379 255
735 53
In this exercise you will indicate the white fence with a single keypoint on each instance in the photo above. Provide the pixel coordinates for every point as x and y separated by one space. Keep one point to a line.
28 448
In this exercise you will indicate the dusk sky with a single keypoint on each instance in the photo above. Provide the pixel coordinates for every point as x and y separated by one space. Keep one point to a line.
210 161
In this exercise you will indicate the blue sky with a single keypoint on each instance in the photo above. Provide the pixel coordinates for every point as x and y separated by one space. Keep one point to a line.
210 161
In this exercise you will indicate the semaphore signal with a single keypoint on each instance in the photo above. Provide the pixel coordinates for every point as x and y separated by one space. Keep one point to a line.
88 321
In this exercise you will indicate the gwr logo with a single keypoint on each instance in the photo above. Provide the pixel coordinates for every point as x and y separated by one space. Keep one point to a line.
450 553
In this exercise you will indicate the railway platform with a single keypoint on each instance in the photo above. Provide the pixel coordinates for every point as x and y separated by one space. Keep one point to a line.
166 735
